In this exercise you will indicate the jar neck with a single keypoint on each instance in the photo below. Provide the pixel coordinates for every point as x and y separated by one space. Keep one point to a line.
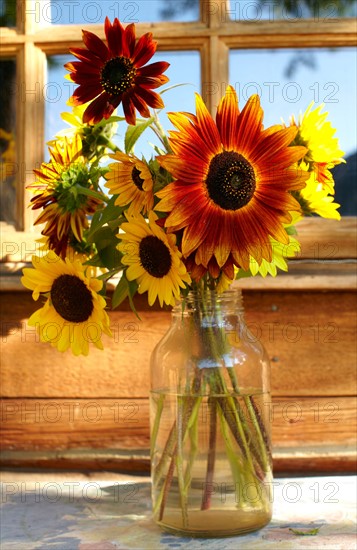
208 302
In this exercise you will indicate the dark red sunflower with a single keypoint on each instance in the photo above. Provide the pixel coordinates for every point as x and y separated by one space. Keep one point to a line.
231 194
115 73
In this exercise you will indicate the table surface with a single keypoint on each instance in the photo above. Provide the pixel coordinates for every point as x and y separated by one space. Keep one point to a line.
109 512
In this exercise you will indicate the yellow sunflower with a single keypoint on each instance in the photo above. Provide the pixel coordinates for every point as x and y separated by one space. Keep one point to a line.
316 199
153 260
73 254
75 122
233 183
73 315
95 138
131 180
65 209
317 135
223 283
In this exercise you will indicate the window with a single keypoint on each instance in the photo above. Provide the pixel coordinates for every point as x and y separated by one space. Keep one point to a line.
246 43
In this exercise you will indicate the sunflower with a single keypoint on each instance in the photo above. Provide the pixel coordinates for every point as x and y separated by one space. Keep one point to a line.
223 283
95 139
153 260
75 121
280 253
115 73
130 179
64 209
315 198
317 135
73 314
233 183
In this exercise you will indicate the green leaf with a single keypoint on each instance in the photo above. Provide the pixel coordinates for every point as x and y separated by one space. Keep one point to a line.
309 532
157 149
134 132
101 217
133 287
111 212
110 257
111 119
291 230
120 293
109 274
95 221
243 274
102 237
94 261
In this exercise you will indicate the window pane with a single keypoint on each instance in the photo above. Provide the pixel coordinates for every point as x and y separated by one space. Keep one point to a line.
7 13
127 11
289 80
8 165
184 69
323 11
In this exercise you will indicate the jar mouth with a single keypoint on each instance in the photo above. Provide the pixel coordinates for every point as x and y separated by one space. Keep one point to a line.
207 300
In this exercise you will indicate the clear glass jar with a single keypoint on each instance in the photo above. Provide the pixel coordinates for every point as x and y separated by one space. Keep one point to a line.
209 412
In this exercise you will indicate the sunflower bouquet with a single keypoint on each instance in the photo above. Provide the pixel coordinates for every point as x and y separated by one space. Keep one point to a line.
218 200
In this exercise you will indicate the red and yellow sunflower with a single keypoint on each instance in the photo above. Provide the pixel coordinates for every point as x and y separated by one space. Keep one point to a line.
232 184
115 73
64 211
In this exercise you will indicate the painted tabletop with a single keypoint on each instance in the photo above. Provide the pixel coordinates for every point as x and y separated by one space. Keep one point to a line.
107 514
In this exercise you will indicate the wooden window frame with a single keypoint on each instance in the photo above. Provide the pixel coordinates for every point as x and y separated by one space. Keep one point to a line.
213 36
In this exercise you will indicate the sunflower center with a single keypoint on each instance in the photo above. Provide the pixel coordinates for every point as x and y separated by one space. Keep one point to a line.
71 299
117 75
135 176
230 181
154 256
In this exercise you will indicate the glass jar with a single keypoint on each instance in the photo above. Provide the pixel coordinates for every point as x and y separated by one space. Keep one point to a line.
209 414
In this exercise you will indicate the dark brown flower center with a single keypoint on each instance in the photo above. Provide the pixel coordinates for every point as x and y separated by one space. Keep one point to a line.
230 181
135 176
117 75
155 256
71 298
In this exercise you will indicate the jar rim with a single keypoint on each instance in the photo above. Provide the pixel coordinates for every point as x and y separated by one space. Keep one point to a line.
209 300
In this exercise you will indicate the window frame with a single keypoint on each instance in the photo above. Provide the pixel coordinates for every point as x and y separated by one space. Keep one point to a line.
213 36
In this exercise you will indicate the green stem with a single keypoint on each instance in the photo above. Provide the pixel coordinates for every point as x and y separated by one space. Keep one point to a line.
111 145
161 134
159 409
262 429
170 449
211 458
193 433
91 193
261 450
166 454
166 488
179 461
236 462
263 454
